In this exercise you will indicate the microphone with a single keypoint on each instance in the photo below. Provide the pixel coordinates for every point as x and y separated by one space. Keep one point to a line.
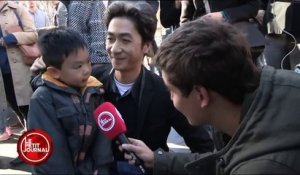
112 125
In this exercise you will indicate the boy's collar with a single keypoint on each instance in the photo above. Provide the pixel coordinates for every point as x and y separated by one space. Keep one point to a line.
49 77
92 81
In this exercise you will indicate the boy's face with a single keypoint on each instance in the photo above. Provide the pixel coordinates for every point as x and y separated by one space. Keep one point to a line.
189 106
76 69
124 45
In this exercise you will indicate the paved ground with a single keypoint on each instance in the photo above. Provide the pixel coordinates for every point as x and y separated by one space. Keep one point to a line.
8 152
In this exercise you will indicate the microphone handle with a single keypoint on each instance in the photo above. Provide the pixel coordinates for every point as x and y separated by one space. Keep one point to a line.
138 162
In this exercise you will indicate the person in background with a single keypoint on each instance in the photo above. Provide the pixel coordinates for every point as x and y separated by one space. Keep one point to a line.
16 74
230 11
63 106
238 12
207 67
22 3
86 17
154 3
40 17
282 28
170 13
61 14
140 95
5 131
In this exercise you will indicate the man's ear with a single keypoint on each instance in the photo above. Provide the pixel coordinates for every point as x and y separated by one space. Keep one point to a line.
54 72
147 47
202 95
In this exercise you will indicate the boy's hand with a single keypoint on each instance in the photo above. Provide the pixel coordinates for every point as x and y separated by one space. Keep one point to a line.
141 150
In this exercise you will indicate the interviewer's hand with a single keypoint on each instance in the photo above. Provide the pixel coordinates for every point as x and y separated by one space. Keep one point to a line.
141 150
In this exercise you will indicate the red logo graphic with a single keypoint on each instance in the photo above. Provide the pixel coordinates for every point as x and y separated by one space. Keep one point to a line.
35 147
106 121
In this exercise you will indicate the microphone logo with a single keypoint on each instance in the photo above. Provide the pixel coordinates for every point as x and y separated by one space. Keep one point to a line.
106 121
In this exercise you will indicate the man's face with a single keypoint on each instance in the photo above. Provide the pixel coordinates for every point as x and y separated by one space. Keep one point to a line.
189 106
76 69
54 2
124 45
32 4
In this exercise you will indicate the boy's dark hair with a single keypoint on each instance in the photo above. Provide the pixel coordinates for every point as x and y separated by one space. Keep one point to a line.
58 43
212 54
140 13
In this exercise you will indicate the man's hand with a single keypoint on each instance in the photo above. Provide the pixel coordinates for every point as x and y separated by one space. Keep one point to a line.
38 65
141 150
214 15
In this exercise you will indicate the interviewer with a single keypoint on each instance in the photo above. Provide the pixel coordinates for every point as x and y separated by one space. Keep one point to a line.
208 69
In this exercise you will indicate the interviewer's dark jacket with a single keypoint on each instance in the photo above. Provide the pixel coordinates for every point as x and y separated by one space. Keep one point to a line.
234 10
66 115
267 141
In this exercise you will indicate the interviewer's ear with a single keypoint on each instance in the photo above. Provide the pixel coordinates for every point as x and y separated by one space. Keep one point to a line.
202 95
146 47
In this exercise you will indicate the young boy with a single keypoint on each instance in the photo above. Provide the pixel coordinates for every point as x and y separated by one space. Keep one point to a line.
63 106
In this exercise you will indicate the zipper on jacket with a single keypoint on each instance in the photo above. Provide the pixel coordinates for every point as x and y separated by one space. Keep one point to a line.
220 166
82 104
83 109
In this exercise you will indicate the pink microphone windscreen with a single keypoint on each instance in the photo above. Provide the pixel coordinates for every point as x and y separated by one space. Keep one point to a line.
109 120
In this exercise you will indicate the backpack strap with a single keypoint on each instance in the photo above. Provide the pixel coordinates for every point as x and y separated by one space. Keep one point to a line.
3 7
19 19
